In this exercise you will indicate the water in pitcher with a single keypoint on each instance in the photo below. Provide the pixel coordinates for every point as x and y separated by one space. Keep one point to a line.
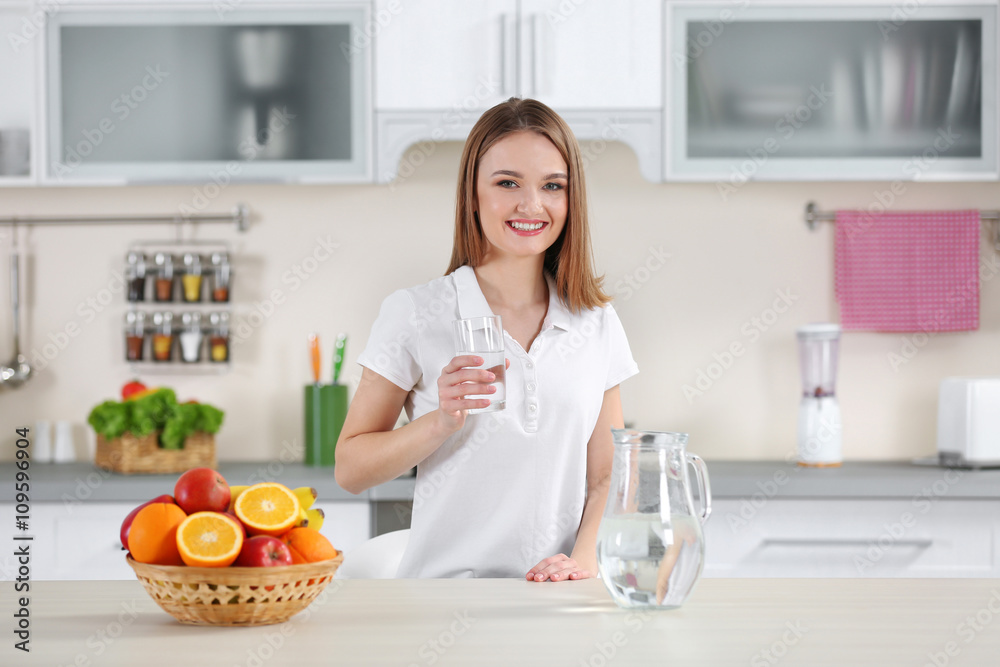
495 363
644 564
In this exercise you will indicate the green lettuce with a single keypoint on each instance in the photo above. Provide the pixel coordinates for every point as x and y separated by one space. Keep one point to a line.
158 411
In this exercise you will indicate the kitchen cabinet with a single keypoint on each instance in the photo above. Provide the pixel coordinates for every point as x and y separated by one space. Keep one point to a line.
568 55
22 26
830 92
884 537
427 59
155 94
80 540
478 53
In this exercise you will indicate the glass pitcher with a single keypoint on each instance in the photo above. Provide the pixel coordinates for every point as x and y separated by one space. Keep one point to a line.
650 546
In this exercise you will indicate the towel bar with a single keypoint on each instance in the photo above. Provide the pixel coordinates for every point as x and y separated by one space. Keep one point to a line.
813 216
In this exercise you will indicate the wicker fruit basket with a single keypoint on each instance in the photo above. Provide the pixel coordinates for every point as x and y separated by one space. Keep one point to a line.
130 454
236 596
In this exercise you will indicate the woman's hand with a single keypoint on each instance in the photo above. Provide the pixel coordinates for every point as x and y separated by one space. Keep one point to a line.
458 381
558 568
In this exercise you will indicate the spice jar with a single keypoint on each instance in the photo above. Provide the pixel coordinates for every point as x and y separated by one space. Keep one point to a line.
218 337
163 336
220 276
190 337
164 268
135 335
135 276
191 280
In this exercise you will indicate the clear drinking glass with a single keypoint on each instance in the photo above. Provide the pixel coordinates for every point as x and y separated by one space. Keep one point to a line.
483 337
650 545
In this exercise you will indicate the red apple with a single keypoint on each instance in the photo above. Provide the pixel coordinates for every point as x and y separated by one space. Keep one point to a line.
127 523
202 490
239 523
263 551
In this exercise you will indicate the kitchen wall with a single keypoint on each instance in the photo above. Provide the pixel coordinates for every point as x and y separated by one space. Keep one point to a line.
729 268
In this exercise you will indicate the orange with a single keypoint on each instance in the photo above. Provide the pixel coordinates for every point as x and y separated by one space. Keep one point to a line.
267 508
209 539
308 544
153 536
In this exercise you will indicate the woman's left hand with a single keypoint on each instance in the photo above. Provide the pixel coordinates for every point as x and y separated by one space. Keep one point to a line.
558 568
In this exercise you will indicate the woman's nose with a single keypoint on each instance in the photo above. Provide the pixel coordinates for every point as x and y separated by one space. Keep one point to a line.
530 204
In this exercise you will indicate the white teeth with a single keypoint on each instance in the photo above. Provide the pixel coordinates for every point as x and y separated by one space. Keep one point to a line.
527 227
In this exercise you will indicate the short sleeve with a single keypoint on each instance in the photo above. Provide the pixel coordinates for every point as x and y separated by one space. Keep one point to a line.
392 345
621 365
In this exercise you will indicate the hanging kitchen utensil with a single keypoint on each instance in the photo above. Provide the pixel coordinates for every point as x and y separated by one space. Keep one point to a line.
17 371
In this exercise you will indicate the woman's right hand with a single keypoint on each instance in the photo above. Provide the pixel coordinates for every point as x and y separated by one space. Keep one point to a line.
457 381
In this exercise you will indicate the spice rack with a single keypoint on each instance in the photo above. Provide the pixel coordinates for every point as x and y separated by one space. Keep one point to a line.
179 307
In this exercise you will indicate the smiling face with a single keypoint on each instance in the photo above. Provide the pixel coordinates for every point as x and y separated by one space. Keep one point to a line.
521 192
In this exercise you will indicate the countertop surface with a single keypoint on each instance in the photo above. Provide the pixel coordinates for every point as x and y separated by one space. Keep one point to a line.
729 479
884 622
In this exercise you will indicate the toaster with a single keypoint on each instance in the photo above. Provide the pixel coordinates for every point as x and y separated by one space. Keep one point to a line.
968 428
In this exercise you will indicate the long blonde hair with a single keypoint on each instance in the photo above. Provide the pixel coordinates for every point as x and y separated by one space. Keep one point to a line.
569 260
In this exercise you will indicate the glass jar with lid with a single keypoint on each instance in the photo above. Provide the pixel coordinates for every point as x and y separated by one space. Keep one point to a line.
135 275
218 337
135 335
191 280
163 264
221 275
163 336
190 337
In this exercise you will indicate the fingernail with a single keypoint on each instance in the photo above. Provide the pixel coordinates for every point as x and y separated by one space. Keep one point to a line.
492 376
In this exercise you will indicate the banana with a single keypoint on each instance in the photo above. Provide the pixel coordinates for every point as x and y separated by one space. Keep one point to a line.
234 492
303 519
306 495
316 518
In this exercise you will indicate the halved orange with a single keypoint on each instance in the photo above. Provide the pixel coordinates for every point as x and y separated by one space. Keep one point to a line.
209 539
267 508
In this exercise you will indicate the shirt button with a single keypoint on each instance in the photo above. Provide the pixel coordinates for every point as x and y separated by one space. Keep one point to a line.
528 364
531 386
532 407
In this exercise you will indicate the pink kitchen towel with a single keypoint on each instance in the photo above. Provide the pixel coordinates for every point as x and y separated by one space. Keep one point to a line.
908 270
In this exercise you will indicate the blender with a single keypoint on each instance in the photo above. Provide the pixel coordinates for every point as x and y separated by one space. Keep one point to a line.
819 437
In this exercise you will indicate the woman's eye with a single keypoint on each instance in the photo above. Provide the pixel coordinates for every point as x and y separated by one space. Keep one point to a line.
507 184
554 186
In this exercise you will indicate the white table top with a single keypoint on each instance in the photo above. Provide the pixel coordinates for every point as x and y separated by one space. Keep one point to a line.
473 623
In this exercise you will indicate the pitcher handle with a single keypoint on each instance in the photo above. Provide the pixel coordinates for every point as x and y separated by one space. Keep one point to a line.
704 488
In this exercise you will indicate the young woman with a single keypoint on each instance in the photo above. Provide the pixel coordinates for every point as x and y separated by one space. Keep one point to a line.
518 492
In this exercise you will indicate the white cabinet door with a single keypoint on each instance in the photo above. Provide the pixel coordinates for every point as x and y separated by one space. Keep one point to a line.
22 30
81 541
431 57
347 524
852 538
592 55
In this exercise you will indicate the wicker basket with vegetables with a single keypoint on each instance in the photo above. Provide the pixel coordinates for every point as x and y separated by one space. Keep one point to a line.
148 431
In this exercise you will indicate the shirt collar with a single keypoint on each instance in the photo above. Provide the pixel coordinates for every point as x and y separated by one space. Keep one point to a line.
472 303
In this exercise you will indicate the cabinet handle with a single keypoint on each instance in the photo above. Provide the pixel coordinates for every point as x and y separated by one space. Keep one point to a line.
831 542
536 50
503 55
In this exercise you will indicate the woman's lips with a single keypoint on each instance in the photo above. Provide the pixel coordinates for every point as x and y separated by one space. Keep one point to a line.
527 232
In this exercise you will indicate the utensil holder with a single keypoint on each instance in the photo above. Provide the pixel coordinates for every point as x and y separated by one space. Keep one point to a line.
325 410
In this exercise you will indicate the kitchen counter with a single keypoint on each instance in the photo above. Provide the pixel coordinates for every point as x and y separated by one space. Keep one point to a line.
486 622
729 479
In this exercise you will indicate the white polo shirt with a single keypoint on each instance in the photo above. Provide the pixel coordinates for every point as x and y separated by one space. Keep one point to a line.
508 489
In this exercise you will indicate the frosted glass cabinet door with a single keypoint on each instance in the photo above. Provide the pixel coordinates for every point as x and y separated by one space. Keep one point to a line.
831 92
592 55
140 96
456 55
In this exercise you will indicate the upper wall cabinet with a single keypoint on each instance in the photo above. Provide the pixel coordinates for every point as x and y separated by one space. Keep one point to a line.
145 94
596 63
21 29
835 91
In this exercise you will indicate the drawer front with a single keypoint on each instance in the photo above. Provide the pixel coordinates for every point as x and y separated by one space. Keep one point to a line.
852 538
87 545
